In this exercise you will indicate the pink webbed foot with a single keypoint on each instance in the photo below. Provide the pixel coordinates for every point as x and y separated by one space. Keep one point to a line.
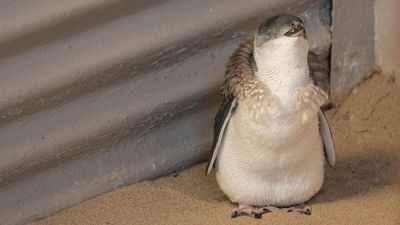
253 211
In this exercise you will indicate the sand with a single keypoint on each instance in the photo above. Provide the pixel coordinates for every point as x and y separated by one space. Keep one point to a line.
363 187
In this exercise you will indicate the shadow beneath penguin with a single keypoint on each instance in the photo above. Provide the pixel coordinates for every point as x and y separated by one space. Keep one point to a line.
351 176
358 174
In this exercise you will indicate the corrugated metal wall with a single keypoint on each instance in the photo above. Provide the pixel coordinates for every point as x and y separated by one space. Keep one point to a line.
97 94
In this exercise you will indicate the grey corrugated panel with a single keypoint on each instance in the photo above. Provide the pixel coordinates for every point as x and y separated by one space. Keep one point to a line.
22 16
143 39
127 162
65 18
68 129
128 98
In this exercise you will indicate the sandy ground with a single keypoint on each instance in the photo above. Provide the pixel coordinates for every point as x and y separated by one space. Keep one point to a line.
363 187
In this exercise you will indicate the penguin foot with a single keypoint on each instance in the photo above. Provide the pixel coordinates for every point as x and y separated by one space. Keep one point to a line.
253 211
300 208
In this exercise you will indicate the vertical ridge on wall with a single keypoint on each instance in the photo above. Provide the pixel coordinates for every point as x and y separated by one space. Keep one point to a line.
352 56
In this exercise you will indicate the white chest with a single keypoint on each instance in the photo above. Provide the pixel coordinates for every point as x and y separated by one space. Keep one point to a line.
271 127
266 160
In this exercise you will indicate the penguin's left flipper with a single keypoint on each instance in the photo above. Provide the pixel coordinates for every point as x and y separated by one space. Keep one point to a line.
222 118
326 135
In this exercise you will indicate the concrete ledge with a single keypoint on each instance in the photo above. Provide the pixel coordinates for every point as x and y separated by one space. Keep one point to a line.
353 55
129 93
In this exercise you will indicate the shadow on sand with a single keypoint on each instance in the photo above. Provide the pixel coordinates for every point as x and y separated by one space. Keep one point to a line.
358 175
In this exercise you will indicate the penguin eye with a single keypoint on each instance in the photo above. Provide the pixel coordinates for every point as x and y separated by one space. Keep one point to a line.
294 29
290 32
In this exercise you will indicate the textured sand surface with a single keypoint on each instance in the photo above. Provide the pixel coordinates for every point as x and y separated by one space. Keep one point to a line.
363 188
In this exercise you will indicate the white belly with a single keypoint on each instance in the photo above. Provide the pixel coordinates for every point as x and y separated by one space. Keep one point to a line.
273 162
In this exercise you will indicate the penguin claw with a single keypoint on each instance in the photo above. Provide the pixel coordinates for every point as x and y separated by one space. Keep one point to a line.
301 208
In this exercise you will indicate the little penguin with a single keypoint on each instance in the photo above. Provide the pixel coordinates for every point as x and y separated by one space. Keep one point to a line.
271 138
